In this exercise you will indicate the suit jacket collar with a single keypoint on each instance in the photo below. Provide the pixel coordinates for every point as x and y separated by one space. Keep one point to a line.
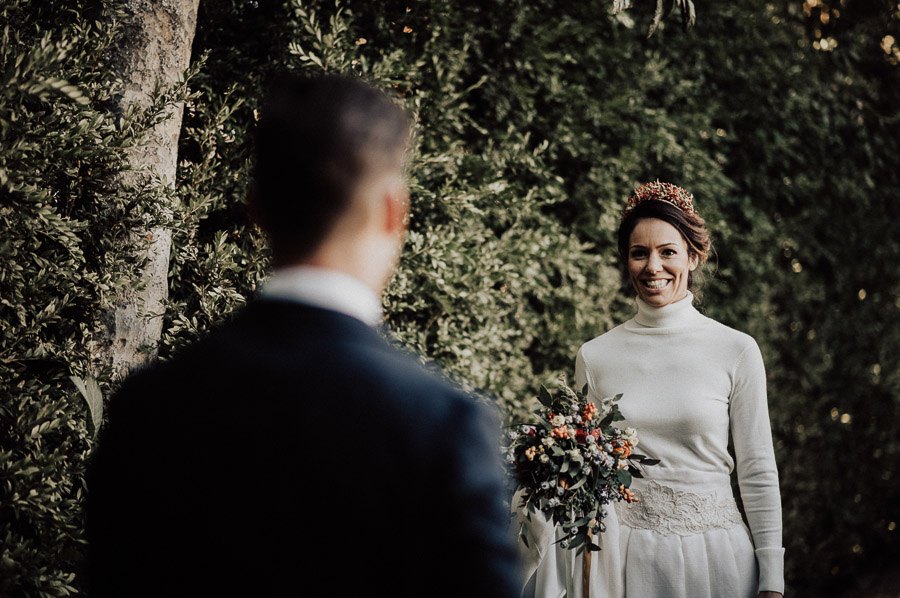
292 319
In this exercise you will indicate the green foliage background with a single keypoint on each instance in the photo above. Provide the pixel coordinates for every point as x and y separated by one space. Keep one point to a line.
535 121
64 226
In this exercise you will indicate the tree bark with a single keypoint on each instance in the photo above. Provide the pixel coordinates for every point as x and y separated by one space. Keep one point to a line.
155 51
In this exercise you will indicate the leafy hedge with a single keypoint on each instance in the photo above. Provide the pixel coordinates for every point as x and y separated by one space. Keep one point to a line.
62 257
491 282
536 119
533 130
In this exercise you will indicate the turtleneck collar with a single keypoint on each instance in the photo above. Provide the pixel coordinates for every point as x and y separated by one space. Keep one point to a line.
674 315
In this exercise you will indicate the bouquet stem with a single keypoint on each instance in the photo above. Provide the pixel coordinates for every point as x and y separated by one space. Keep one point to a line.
586 574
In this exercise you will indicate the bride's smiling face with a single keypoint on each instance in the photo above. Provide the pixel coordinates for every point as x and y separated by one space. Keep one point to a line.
659 262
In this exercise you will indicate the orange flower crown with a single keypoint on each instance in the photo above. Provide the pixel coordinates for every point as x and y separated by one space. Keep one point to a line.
658 191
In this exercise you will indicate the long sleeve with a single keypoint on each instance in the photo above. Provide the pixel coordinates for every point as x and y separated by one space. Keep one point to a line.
755 463
582 376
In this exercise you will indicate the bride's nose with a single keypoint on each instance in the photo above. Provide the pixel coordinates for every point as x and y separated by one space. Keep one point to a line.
654 264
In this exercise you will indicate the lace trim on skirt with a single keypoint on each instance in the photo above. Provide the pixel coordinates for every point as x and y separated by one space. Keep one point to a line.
673 512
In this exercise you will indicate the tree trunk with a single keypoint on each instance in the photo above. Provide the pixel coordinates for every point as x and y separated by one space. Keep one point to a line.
155 51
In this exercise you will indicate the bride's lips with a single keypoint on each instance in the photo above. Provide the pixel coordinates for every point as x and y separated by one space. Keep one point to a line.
656 284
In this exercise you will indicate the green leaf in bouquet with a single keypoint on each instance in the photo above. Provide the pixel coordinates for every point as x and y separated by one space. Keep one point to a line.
650 462
614 415
624 478
545 398
615 412
583 521
557 452
578 541
635 472
578 485
565 466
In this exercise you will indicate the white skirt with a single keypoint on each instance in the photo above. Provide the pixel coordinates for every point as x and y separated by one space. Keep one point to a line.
683 539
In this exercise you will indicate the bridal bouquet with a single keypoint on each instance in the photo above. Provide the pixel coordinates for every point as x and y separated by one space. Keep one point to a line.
572 462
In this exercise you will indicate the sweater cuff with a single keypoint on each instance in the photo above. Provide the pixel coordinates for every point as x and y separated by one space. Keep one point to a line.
771 569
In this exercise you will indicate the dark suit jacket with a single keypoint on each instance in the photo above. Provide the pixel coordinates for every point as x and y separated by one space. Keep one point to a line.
294 452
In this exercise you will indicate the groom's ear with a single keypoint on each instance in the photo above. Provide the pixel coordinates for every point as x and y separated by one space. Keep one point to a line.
396 206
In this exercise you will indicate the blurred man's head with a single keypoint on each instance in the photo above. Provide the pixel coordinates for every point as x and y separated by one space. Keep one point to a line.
328 178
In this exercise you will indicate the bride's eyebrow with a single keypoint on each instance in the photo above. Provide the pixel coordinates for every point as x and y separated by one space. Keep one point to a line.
639 246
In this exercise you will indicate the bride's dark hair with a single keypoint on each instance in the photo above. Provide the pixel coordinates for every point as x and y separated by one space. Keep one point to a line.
691 226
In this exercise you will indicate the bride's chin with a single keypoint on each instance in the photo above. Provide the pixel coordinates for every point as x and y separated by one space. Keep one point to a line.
656 299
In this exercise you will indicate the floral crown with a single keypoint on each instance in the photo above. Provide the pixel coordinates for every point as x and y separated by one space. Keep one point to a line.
658 191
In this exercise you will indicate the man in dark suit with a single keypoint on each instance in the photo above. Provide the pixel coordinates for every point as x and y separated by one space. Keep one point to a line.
293 451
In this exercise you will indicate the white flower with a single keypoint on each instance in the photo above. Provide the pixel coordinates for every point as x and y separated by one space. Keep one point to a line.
553 502
547 441
544 458
575 454
559 490
558 420
591 440
630 434
545 485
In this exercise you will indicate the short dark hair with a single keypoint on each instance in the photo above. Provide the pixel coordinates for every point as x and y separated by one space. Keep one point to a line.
691 226
317 138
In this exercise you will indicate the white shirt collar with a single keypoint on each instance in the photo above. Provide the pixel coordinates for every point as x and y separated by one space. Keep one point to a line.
328 289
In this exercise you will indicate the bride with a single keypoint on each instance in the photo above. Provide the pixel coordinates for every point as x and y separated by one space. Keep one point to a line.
688 383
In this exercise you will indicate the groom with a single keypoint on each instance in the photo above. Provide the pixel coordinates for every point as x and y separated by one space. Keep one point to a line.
295 452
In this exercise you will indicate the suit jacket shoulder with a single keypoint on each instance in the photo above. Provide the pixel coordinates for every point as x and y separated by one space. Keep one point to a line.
294 431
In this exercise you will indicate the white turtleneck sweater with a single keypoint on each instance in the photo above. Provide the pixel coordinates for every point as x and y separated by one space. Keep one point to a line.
687 381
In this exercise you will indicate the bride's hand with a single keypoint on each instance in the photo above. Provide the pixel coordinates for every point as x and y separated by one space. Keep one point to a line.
770 595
